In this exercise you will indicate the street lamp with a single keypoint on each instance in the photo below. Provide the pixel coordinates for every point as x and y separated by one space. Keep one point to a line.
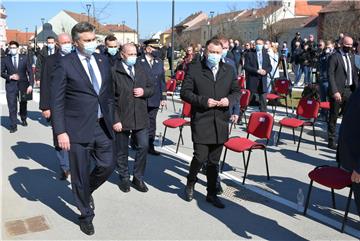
137 20
42 21
172 38
211 18
123 23
88 7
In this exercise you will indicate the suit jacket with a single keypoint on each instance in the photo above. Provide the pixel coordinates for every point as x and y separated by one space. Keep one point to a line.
46 77
337 73
156 74
348 153
209 125
253 79
129 110
40 61
75 102
24 71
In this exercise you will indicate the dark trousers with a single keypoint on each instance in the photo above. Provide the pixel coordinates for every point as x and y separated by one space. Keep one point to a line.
356 189
141 143
152 112
334 113
12 92
203 153
83 182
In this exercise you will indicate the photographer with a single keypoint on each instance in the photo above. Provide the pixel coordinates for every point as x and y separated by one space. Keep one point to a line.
306 63
296 62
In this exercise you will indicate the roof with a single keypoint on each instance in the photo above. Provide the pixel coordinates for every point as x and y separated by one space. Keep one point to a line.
224 17
189 18
21 37
197 25
340 5
302 8
255 13
292 23
84 18
119 28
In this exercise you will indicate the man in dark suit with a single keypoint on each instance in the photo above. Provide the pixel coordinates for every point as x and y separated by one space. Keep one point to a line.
343 80
169 55
49 66
111 48
257 66
82 117
132 88
210 86
16 70
47 50
154 69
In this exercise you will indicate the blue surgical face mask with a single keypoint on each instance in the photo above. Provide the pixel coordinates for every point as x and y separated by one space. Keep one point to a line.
130 61
224 53
13 51
51 46
213 59
89 48
112 51
259 47
66 48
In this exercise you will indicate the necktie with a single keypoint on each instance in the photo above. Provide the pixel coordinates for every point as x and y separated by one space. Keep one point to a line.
131 72
94 82
214 70
15 62
348 71
260 60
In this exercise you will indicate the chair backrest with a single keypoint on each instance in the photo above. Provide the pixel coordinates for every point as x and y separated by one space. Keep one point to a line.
186 111
308 108
244 98
260 125
282 86
180 75
171 85
241 81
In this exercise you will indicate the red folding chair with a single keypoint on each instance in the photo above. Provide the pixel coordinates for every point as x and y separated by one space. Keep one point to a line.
260 125
180 75
179 122
170 90
241 81
333 178
307 109
281 91
244 102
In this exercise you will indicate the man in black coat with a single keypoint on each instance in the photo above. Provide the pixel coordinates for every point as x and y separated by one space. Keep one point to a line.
343 80
132 87
82 116
16 70
258 66
210 86
47 50
111 49
49 66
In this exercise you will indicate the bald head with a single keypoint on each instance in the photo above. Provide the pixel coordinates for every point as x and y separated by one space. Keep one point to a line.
348 41
64 38
128 48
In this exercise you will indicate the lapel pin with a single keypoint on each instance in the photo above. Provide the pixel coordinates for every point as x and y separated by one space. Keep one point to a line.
100 60
156 61
142 60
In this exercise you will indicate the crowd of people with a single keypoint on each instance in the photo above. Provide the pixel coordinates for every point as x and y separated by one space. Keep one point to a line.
101 97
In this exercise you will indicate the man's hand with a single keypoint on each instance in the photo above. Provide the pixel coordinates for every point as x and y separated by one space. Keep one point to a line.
163 103
46 114
261 72
64 141
138 92
37 82
337 97
29 90
117 127
355 177
224 102
14 77
234 118
212 103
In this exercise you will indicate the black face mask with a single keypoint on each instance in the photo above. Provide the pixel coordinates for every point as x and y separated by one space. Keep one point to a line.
155 53
346 49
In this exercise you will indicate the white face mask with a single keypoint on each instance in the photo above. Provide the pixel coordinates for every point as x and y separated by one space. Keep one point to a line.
13 51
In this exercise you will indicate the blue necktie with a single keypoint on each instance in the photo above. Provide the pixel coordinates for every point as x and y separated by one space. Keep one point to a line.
131 72
94 82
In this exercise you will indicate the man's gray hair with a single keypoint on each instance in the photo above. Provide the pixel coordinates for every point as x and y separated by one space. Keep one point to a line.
81 27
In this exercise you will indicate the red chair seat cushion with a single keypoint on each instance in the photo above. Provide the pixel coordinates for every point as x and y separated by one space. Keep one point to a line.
271 96
175 122
239 144
332 177
325 105
291 122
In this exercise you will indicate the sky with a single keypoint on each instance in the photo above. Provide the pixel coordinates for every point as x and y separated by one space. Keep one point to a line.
154 16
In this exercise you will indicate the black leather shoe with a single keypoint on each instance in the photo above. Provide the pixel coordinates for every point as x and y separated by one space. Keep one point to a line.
87 228
24 123
92 203
189 192
124 185
219 190
154 152
13 129
64 175
215 201
332 145
140 185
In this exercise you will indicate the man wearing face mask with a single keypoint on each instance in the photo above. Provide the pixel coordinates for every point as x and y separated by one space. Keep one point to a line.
257 66
323 68
210 86
16 70
82 116
50 62
132 88
47 50
154 68
343 80
112 48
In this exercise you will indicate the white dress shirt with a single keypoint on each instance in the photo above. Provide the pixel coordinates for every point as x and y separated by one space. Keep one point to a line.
93 65
126 67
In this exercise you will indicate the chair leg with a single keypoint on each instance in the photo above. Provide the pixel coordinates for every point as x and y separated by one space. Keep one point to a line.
286 103
277 141
173 102
314 136
294 135
308 198
347 209
274 113
245 118
244 161
267 165
333 198
181 138
163 139
223 162
246 167
302 128
178 143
